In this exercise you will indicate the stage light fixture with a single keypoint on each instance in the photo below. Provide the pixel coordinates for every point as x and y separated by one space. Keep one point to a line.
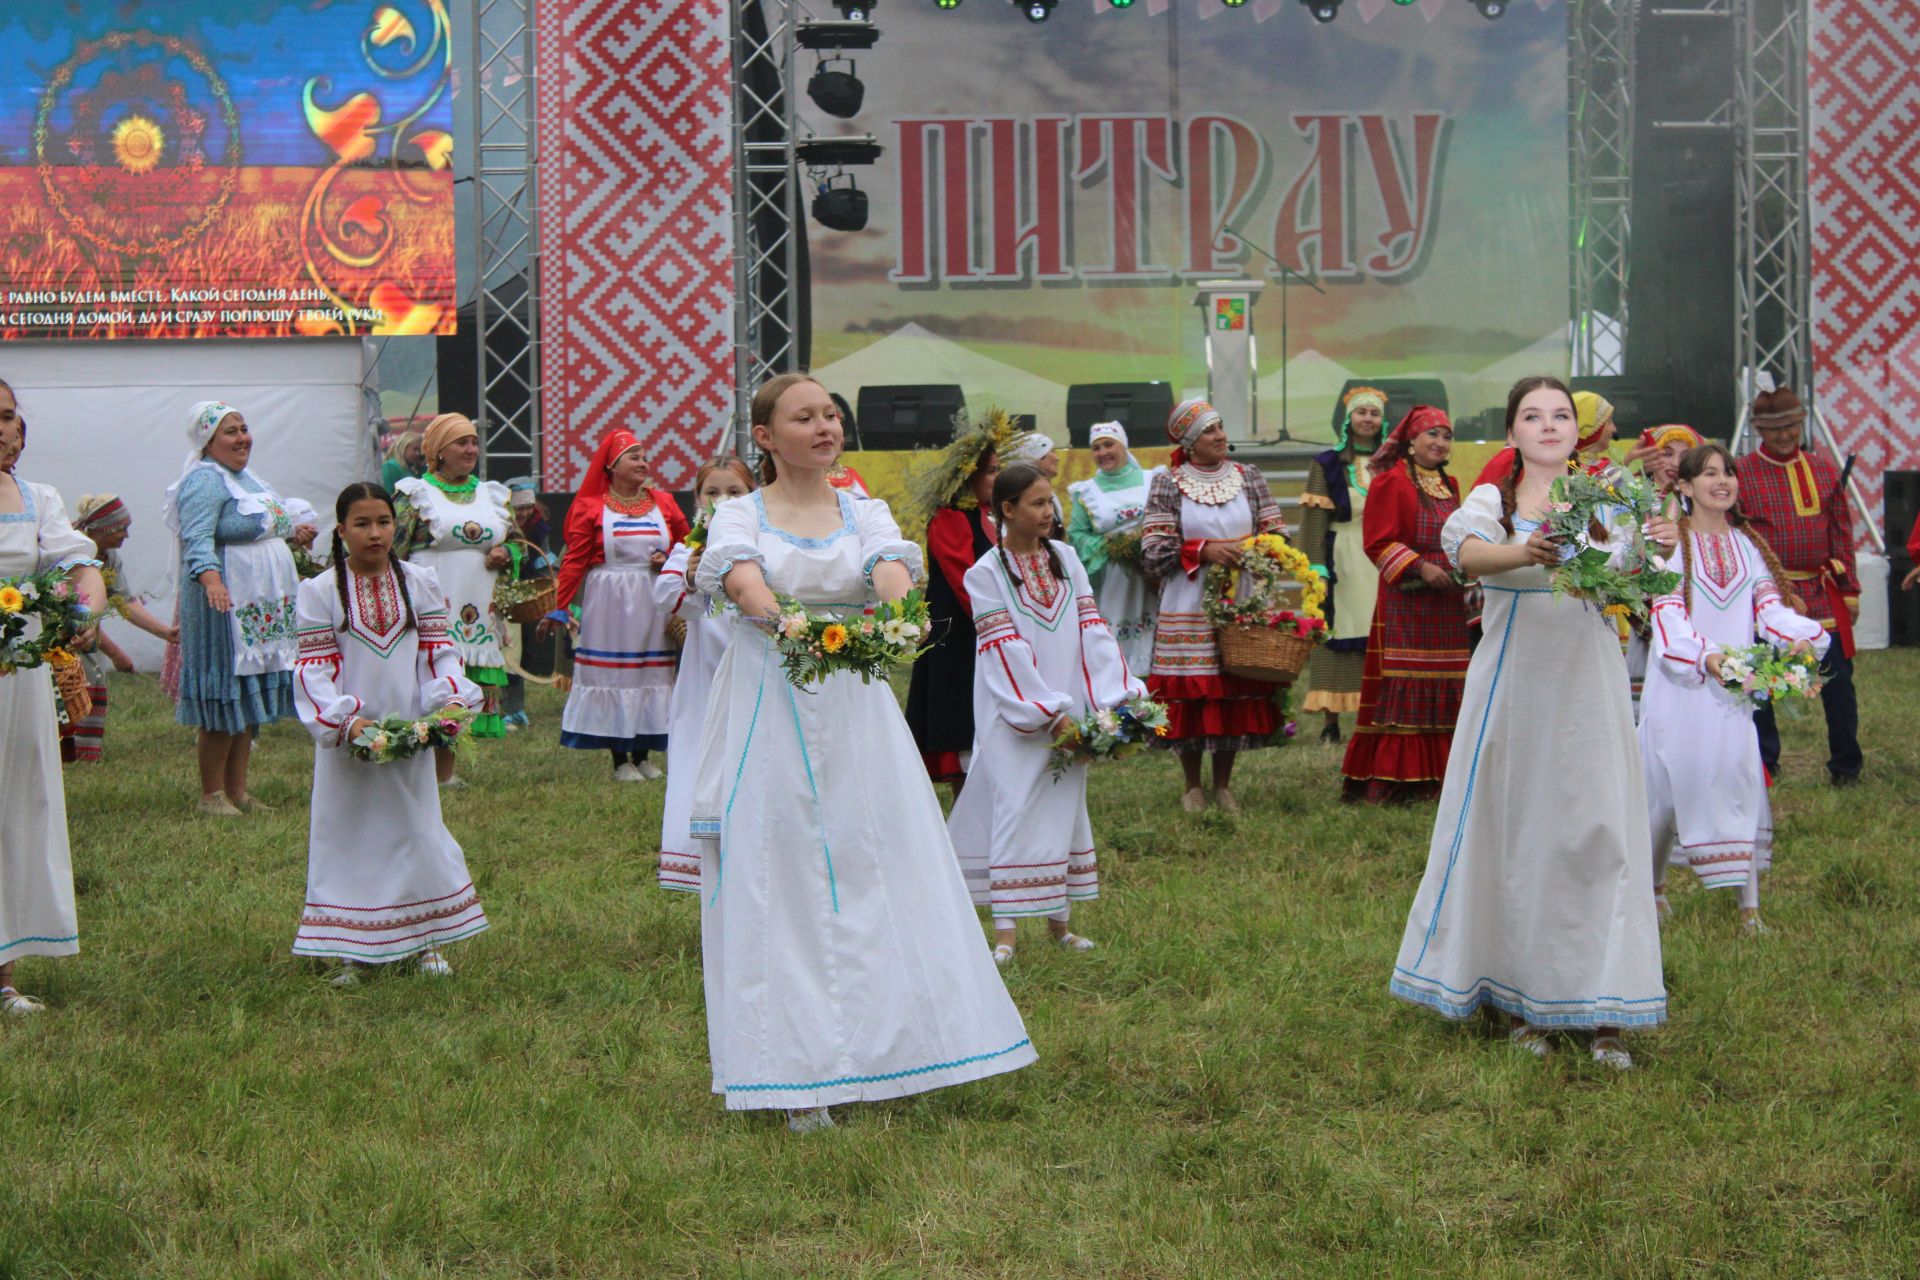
1121 4
1491 9
1037 10
855 10
1233 4
840 208
1322 10
836 92
946 4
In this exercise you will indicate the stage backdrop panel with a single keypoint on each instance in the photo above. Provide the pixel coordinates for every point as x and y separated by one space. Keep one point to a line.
1864 178
112 418
636 321
226 168
1051 194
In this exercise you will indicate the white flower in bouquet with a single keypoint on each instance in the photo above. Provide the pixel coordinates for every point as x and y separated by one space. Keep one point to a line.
794 625
421 733
378 744
1107 722
899 632
28 590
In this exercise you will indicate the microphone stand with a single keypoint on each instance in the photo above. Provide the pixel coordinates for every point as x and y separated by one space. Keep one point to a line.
1287 276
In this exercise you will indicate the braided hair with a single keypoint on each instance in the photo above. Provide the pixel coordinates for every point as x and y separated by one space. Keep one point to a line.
1692 463
362 491
1008 486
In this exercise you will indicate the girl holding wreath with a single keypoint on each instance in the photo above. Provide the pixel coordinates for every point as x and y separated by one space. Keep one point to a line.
456 524
1418 652
619 533
1198 514
1046 658
385 879
1333 514
37 916
1107 509
954 490
842 959
1538 895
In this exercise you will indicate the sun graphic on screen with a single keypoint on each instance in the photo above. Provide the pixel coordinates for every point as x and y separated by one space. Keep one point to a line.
137 143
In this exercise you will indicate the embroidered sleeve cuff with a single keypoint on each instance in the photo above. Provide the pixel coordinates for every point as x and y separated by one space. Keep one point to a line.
901 553
1320 500
1452 539
718 562
71 563
1396 559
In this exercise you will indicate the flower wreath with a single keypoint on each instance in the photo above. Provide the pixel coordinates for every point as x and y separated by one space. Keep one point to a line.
1582 499
943 481
54 602
1268 562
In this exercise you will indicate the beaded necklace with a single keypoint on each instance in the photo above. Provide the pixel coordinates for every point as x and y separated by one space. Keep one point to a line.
1213 488
1431 482
638 505
461 493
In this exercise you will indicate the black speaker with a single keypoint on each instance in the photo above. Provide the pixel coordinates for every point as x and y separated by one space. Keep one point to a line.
1638 402
1141 407
1903 607
908 417
1902 489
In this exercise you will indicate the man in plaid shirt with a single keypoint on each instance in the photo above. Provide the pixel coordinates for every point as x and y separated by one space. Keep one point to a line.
1794 499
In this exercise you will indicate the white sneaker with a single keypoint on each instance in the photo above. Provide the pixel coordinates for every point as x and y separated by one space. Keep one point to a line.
627 773
650 771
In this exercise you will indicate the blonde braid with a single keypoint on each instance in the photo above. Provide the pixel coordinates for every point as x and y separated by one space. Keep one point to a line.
1686 564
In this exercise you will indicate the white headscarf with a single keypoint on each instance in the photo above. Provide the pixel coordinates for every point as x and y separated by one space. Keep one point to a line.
1030 447
1107 431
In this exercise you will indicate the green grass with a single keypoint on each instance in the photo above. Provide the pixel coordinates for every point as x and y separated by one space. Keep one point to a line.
1225 1088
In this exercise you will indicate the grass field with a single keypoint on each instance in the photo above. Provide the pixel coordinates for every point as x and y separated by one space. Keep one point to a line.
1225 1088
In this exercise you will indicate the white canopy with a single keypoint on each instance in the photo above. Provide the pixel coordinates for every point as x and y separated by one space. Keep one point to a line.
912 354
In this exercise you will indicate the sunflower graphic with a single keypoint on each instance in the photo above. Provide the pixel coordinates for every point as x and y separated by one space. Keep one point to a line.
137 144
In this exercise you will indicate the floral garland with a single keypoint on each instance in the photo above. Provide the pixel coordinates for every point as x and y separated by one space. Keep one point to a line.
814 646
1268 562
1123 549
399 738
1108 735
944 480
1579 499
40 614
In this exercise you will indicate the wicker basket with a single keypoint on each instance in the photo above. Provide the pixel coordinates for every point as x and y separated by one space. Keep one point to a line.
538 607
70 680
1262 653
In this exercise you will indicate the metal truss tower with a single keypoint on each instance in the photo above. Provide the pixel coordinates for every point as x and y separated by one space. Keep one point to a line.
506 325
766 206
1600 173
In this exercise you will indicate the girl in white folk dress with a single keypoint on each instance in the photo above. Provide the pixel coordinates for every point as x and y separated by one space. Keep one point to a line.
842 959
1706 787
37 915
1045 657
385 879
1537 898
704 630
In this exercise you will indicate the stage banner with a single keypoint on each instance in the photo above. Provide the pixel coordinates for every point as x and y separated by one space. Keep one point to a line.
226 168
1052 194
636 243
1864 179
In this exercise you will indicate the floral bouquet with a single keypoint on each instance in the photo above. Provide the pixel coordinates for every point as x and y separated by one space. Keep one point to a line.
1767 675
1123 549
1623 592
399 738
814 646
40 615
1108 735
697 536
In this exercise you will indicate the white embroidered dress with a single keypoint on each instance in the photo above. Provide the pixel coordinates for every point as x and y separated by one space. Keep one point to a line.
1128 599
385 878
37 915
622 661
463 534
1706 789
1023 837
842 958
1538 893
709 628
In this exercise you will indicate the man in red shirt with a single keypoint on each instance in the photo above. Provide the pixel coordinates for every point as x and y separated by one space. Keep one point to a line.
1794 499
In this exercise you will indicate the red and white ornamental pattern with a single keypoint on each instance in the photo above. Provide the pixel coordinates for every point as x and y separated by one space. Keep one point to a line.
1864 179
636 320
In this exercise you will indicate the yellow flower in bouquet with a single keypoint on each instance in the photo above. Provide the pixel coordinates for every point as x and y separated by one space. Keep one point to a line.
834 638
11 601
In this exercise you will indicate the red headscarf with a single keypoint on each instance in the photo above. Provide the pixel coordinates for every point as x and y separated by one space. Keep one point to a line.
1421 417
598 479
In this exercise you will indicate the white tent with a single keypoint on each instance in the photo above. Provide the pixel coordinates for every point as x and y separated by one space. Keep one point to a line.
1313 382
912 354
1551 355
111 417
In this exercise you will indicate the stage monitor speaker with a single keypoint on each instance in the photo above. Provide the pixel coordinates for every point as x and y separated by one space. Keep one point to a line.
1141 407
1902 489
908 417
1402 395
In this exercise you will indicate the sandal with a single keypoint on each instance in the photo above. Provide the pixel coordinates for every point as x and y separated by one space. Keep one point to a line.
433 964
1223 801
217 806
348 975
1753 927
1073 942
1530 1038
1194 801
17 1005
1002 955
1611 1051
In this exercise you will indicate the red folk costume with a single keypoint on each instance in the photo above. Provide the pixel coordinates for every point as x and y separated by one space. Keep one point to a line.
842 476
585 546
1187 506
1795 503
1417 653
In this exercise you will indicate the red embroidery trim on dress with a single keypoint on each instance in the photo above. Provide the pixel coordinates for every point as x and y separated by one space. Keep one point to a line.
1036 578
376 602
